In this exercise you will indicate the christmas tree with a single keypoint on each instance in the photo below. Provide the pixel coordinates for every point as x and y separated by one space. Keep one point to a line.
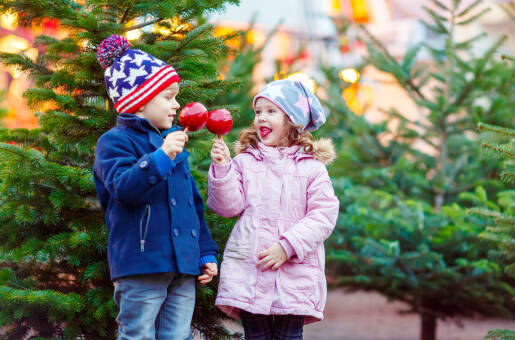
54 279
406 183
501 230
3 110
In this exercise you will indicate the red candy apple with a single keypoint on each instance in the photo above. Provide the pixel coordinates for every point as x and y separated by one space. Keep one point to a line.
193 116
219 122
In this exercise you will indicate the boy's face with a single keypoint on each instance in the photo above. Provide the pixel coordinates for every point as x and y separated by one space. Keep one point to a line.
161 110
270 123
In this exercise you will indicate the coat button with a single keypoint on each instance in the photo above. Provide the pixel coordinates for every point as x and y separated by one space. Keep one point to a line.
194 233
176 232
143 164
173 202
152 180
190 202
187 175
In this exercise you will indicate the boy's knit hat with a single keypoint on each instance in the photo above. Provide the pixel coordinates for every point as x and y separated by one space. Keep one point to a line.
132 77
297 102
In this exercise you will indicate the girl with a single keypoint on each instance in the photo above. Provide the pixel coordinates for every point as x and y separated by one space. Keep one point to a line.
272 275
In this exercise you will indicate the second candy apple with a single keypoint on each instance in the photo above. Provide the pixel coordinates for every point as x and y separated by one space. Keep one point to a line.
193 116
219 122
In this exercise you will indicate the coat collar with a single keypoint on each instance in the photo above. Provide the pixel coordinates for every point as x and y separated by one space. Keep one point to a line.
141 124
155 136
274 153
323 150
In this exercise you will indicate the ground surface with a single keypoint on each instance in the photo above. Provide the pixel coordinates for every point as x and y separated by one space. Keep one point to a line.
369 316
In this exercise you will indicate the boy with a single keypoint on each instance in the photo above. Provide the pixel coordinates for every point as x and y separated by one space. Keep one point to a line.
158 238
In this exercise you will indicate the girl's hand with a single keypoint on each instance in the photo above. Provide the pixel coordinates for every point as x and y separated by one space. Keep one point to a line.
220 152
210 270
273 257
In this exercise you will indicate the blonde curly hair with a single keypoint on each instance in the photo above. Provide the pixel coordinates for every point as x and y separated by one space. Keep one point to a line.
249 136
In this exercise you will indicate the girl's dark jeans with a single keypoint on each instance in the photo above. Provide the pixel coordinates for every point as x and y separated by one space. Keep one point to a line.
272 327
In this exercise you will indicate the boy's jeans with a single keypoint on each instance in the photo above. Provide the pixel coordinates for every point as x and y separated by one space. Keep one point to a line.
155 306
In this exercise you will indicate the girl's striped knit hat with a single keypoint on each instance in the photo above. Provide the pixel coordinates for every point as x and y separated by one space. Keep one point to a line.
132 77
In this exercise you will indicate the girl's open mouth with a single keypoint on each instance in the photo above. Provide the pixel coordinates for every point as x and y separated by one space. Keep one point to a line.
265 131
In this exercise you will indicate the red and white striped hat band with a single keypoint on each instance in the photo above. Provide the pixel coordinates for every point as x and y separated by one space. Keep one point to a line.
153 85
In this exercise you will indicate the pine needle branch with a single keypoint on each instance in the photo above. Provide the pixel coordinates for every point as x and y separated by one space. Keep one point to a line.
143 24
407 80
477 74
505 131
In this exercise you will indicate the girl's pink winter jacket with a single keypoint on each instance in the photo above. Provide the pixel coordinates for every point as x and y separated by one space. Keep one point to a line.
281 196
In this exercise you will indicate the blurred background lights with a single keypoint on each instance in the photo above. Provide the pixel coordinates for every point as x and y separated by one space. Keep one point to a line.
349 75
9 21
132 34
13 44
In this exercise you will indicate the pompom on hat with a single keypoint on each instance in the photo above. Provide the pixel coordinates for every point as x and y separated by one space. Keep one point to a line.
296 101
132 77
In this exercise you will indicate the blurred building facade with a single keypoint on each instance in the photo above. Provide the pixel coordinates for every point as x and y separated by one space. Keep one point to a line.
311 24
309 33
315 27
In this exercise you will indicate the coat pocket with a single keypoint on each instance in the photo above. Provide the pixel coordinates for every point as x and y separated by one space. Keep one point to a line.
240 251
235 266
299 275
239 243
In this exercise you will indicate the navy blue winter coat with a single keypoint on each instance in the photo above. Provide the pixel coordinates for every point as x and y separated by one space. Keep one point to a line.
153 209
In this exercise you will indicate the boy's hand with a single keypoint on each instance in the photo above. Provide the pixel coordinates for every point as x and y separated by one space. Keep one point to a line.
220 152
273 257
210 270
174 143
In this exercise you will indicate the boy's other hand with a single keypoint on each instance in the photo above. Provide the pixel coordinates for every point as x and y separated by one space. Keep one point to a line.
174 143
273 257
210 270
220 152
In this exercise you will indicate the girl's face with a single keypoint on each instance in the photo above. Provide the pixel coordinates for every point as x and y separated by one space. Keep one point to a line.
270 123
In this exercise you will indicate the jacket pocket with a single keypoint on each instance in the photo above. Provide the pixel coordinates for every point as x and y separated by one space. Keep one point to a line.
239 243
299 275
143 227
235 267
236 261
240 251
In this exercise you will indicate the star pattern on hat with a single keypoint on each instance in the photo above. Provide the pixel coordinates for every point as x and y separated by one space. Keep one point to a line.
113 92
127 57
140 57
125 91
118 74
155 69
136 76
274 91
302 104
136 73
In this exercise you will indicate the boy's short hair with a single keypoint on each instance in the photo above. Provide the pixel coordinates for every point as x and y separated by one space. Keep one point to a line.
132 77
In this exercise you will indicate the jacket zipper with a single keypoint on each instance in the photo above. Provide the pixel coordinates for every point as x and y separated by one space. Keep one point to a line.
143 232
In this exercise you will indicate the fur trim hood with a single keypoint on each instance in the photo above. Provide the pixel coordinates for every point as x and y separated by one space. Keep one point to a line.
323 150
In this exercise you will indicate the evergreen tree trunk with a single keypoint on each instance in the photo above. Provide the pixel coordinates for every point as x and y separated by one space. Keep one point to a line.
428 327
